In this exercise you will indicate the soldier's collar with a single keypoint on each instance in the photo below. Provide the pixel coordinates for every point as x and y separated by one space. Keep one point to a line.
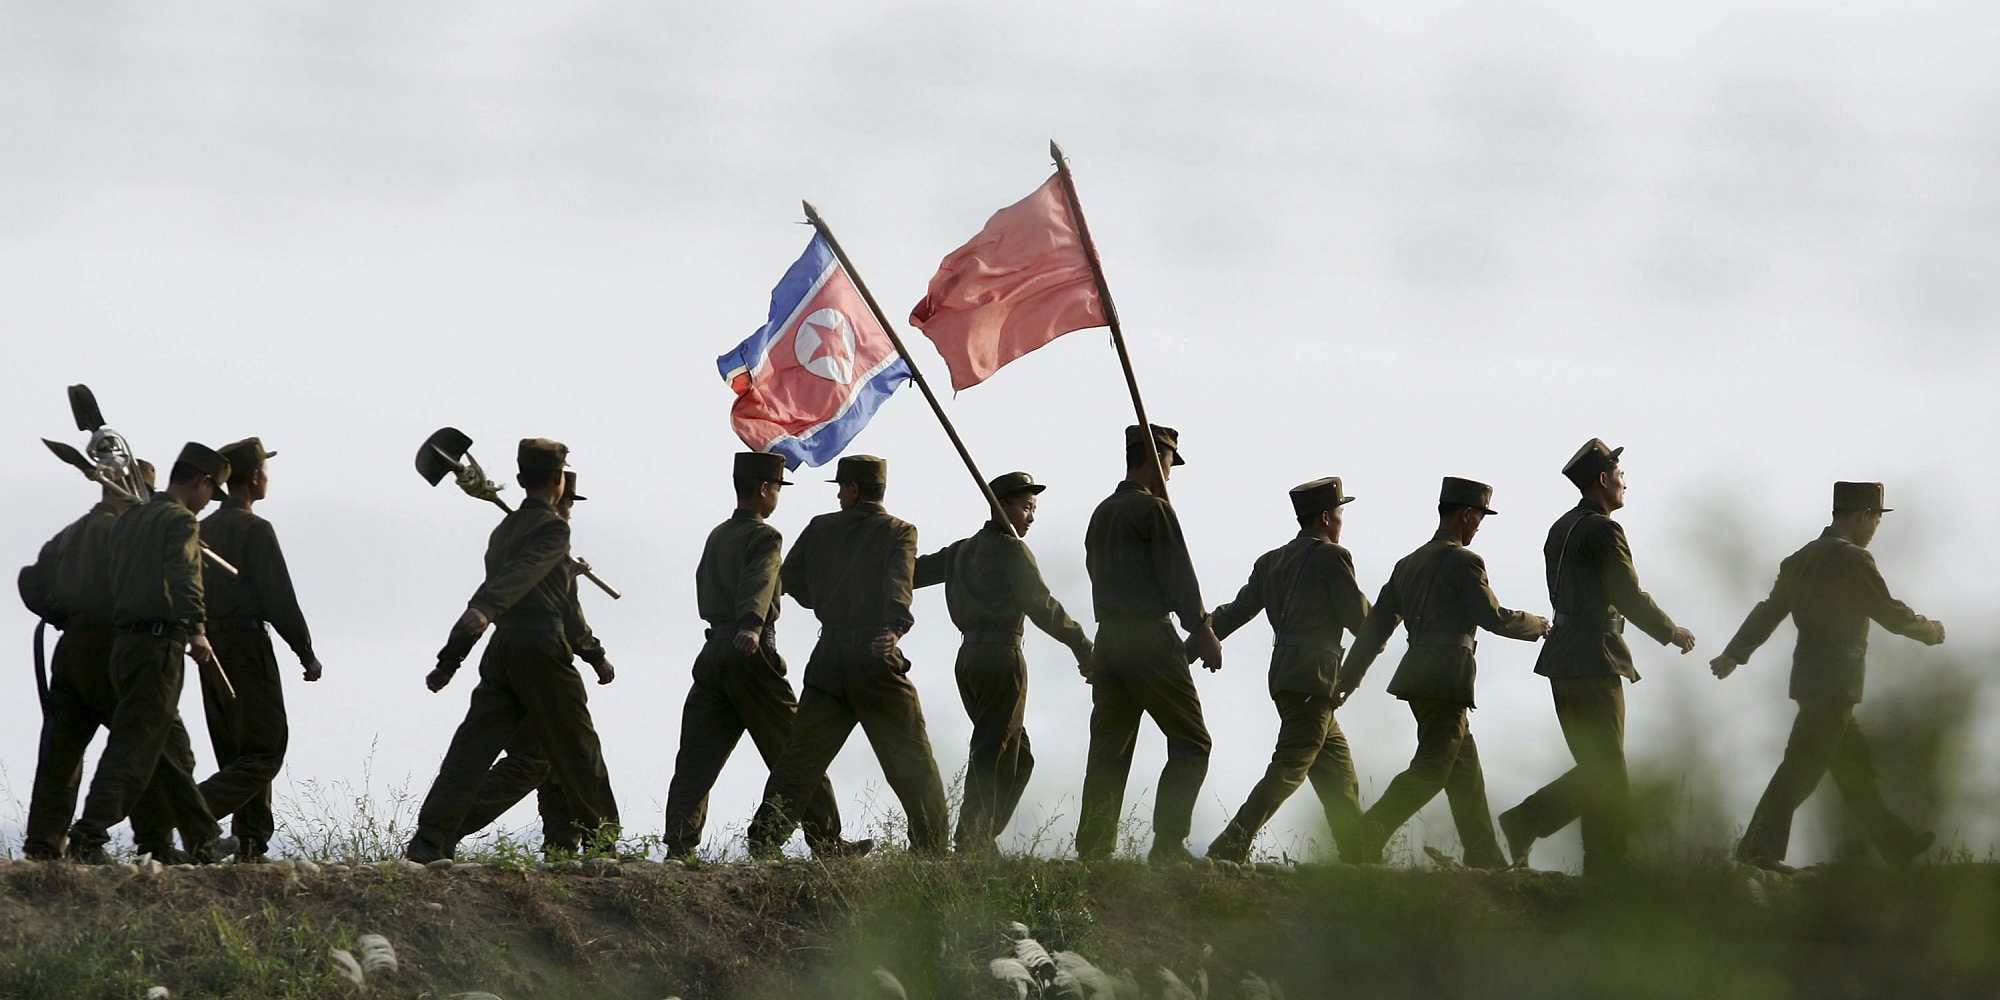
1444 535
537 502
744 514
1586 503
868 507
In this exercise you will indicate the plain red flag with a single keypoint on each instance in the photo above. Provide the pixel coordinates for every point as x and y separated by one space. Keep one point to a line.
1022 282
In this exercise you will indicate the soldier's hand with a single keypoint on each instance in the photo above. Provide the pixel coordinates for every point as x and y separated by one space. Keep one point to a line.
748 641
884 644
605 673
1544 633
1206 646
312 670
1722 666
1683 639
578 566
1083 655
440 676
199 648
1340 695
1940 631
474 621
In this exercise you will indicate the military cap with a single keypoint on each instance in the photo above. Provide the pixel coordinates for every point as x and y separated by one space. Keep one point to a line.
204 460
1858 496
1164 439
761 467
1593 458
569 488
1310 499
864 470
1466 493
147 473
245 456
541 455
1013 484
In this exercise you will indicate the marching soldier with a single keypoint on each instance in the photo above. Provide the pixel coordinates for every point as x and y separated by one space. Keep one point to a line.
249 731
1440 594
69 586
1594 591
525 768
158 612
739 678
526 677
1831 589
1306 588
1139 574
854 568
991 583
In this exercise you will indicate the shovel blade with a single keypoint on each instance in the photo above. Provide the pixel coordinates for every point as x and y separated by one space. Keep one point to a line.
83 406
442 453
70 455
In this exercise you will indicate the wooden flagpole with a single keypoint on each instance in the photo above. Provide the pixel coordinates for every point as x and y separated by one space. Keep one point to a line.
1110 308
826 233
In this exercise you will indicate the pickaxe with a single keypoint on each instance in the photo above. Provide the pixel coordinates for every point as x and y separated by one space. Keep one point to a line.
450 451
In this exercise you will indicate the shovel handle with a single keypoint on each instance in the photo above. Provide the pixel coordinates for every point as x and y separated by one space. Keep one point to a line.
592 576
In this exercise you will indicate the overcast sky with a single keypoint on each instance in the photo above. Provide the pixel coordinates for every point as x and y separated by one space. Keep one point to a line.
1752 243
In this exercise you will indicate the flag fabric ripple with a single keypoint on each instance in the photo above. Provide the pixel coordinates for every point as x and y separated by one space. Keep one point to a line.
1022 282
811 377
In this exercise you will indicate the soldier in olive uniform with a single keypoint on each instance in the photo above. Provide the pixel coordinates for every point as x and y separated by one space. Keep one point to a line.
739 678
526 676
1831 589
1440 593
991 583
525 768
249 731
69 586
1594 591
1306 588
854 568
158 611
1139 574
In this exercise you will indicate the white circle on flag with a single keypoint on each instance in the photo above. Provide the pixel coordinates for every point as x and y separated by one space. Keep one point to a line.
825 345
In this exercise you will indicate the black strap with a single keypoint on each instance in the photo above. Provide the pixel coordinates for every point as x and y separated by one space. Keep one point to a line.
41 665
1562 555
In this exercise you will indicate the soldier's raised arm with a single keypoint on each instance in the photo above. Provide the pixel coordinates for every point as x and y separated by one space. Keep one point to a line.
935 568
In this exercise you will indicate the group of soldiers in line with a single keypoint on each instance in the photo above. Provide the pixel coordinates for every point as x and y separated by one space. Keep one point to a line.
528 728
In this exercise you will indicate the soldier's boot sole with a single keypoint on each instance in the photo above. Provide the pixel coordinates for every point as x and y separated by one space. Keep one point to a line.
1519 842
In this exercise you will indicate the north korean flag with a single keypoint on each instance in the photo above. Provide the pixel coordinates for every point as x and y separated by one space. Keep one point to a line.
813 375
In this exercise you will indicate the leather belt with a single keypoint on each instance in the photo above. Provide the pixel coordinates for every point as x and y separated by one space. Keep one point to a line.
850 634
1299 640
236 625
172 630
1614 625
532 623
982 637
713 634
80 620
1463 639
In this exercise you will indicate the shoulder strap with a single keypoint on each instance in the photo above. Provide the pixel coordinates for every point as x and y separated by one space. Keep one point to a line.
1562 555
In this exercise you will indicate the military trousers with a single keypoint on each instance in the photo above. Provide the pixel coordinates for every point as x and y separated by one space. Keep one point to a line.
80 701
859 688
1591 711
734 694
1447 759
993 687
1139 669
526 679
1825 738
521 771
147 743
1310 747
249 733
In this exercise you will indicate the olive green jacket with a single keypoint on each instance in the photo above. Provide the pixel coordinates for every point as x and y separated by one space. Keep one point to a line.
736 582
855 568
1439 591
1138 560
528 578
156 566
1307 589
1591 584
263 589
1831 589
992 582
